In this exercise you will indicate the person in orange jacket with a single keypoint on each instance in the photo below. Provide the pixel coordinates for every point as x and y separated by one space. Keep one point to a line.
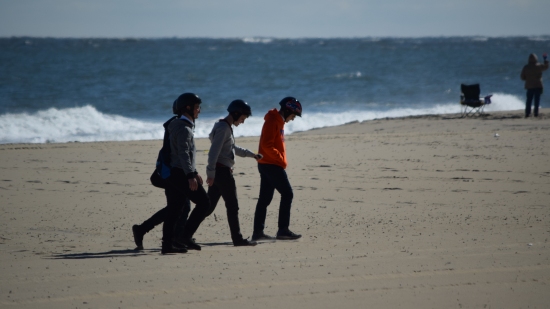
272 170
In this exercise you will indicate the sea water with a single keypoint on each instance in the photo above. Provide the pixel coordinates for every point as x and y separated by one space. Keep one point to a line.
61 90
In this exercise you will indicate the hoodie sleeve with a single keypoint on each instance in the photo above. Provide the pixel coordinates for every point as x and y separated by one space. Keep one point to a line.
184 143
243 152
219 134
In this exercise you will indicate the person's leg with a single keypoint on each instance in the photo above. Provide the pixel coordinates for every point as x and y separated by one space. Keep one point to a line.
226 183
202 205
139 230
214 195
266 196
155 220
279 180
536 96
180 223
528 102
176 201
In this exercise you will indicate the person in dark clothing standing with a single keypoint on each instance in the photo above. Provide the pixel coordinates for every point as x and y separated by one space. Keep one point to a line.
221 159
532 75
272 170
184 181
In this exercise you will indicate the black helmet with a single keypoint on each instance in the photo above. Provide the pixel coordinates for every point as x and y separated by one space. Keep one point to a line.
239 106
184 100
292 106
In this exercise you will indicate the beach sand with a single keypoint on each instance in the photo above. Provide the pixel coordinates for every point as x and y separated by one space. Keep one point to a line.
417 212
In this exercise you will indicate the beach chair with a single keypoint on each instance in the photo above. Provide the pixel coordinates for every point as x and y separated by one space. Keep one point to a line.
470 102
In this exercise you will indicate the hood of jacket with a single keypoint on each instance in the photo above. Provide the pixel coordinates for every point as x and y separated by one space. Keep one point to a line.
165 125
274 115
533 58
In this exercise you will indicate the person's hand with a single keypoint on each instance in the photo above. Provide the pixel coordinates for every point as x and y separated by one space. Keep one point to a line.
258 156
210 181
193 185
198 178
545 55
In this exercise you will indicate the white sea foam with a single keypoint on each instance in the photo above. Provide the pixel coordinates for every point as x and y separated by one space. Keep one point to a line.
83 124
86 124
257 40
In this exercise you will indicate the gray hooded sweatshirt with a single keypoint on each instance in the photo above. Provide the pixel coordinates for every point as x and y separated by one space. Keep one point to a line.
223 148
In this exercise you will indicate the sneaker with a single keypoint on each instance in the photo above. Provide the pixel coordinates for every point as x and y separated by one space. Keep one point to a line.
191 244
287 235
261 236
138 237
169 248
244 242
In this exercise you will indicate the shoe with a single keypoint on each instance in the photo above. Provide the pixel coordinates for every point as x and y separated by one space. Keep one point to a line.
191 244
287 235
177 243
138 237
262 236
243 243
168 248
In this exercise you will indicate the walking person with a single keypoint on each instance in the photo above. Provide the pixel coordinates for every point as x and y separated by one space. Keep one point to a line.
184 181
221 159
272 170
532 75
158 180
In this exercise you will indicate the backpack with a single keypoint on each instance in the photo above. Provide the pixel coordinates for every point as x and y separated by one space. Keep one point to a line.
163 167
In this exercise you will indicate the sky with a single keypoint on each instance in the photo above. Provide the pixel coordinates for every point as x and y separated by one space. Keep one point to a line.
275 18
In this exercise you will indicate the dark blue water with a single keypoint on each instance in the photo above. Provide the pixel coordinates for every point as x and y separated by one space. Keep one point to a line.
129 82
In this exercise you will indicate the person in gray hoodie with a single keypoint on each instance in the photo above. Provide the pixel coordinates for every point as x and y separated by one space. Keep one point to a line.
219 172
532 75
184 180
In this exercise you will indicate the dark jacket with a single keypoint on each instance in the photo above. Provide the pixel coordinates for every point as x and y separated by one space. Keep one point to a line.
532 72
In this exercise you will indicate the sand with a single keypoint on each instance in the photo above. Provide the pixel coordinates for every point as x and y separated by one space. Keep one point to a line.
418 212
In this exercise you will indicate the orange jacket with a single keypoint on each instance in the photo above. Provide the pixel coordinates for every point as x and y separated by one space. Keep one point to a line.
272 140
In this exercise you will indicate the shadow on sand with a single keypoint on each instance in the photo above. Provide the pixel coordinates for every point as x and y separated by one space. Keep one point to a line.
107 254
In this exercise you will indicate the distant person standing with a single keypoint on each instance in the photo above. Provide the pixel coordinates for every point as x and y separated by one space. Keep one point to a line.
272 170
532 75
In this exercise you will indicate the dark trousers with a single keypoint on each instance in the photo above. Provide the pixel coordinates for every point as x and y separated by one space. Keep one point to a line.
176 195
273 177
224 186
533 94
160 215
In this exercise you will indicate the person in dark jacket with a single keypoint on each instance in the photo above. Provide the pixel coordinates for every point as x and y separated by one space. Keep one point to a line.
532 75
139 230
184 180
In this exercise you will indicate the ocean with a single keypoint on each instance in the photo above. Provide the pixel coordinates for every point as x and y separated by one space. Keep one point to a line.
66 90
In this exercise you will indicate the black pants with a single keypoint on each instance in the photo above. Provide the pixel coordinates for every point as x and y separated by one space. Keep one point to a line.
160 215
224 186
532 94
273 177
176 195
